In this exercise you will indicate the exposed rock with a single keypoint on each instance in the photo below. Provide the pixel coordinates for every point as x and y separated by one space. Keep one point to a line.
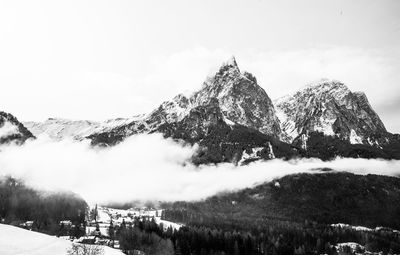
11 130
328 106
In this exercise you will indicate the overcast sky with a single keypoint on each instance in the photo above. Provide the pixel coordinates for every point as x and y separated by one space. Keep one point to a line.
103 59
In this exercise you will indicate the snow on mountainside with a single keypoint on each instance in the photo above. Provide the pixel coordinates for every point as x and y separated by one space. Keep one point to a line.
240 98
61 128
14 240
328 106
232 119
58 128
230 114
11 130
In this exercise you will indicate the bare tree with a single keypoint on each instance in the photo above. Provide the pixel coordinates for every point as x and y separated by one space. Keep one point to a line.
85 249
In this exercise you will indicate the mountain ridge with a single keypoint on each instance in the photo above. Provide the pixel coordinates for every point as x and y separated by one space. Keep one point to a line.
233 119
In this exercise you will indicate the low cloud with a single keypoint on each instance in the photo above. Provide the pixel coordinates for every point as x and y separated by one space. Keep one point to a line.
149 167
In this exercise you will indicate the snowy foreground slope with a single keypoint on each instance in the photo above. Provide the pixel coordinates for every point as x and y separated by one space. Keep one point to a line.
19 241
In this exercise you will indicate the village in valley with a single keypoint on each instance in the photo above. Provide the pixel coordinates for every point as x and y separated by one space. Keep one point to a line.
101 225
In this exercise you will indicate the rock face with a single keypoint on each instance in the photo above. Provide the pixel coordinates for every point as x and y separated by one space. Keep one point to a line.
223 141
329 107
241 99
11 130
325 119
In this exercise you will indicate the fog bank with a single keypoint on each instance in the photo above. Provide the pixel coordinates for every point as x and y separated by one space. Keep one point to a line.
149 167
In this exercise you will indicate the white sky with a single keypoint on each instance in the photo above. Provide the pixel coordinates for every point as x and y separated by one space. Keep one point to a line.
104 59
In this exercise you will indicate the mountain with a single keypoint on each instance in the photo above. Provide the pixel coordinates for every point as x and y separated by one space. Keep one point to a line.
328 106
329 197
326 115
319 212
233 119
240 98
11 130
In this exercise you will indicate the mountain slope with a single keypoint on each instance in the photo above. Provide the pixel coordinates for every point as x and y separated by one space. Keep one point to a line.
330 197
223 141
11 130
59 129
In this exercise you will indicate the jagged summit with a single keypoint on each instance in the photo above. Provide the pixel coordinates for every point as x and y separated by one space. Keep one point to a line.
324 82
232 119
231 62
325 88
240 98
229 114
330 107
228 68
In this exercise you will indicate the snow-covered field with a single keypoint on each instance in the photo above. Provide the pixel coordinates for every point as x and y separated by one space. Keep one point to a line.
167 224
18 241
106 214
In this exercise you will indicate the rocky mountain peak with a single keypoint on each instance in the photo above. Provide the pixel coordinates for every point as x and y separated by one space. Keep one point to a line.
324 89
240 98
330 107
229 65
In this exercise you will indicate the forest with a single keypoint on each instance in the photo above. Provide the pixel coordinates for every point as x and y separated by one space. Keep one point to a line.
273 237
20 203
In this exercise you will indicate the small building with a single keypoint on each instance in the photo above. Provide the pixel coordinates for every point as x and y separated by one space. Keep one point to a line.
66 223
27 224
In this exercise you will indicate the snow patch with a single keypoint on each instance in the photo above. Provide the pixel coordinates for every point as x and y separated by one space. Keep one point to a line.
252 155
8 129
167 224
229 122
354 138
304 139
325 126
271 151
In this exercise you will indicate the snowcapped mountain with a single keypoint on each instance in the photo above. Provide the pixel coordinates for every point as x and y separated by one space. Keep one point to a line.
230 115
329 107
326 119
233 120
11 130
239 98
61 128
58 128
